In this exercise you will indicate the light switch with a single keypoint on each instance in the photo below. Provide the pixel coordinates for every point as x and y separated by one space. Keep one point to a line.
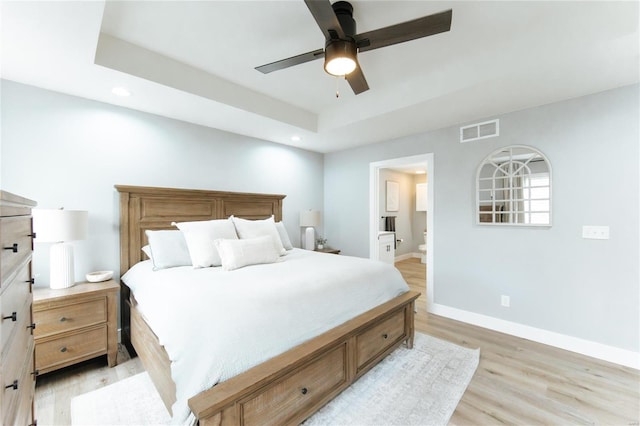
595 232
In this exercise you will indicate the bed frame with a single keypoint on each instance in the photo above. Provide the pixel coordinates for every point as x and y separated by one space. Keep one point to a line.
285 389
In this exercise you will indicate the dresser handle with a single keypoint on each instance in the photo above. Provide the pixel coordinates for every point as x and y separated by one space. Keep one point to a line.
13 248
385 335
13 385
35 373
63 349
13 316
32 326
63 319
32 235
32 281
304 391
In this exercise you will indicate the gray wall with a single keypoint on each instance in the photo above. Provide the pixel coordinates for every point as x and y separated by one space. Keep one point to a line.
66 151
557 281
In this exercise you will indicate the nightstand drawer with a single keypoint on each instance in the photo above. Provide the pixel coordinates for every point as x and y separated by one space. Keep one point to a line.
70 317
71 349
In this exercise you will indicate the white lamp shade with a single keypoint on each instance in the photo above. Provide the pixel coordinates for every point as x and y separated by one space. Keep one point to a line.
55 225
310 218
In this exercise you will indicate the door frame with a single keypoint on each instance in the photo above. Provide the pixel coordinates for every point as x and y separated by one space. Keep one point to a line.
421 160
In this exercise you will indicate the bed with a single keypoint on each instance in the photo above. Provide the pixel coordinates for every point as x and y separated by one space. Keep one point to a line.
285 388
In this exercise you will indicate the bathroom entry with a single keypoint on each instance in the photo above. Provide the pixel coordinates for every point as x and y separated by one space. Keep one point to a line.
410 211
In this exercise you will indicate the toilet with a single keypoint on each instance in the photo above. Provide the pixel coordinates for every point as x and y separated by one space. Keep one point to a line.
423 249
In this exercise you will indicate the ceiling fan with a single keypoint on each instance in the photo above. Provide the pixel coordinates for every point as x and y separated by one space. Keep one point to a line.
342 43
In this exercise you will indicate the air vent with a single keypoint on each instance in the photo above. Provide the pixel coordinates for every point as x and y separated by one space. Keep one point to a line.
474 132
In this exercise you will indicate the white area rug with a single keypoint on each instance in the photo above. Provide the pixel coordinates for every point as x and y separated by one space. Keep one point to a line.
421 386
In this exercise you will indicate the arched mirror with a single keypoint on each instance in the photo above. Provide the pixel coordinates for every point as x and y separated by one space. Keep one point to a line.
513 187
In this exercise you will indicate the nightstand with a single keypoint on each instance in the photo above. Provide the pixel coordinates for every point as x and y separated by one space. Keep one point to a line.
328 250
75 324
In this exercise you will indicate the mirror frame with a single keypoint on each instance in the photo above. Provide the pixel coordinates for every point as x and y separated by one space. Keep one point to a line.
508 150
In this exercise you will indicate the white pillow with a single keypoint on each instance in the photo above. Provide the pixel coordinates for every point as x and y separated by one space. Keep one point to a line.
147 250
284 237
251 251
168 249
259 228
200 236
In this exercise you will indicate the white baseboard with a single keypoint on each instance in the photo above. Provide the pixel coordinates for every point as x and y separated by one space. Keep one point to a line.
404 257
574 344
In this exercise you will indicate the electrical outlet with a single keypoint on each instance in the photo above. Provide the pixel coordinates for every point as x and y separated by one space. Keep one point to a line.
595 232
505 301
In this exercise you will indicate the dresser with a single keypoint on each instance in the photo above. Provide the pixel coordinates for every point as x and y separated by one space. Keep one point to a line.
17 373
75 324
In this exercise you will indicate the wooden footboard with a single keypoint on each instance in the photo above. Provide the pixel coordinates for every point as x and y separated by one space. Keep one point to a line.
292 386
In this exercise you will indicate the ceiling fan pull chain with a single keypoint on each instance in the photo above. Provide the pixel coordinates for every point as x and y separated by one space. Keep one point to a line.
337 82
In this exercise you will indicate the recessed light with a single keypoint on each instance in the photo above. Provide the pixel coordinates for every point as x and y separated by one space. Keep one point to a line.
296 138
420 172
120 91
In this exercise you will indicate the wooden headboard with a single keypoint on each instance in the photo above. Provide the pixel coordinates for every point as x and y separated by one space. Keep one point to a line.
143 208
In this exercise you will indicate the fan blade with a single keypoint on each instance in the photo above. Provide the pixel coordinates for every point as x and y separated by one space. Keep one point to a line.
357 81
325 17
406 31
289 62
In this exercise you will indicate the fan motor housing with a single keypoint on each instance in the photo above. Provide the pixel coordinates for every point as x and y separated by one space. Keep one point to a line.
344 13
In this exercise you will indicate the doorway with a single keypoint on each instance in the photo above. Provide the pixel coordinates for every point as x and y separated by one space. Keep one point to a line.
424 162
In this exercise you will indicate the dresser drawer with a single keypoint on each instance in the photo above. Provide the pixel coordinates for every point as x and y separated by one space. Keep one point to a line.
71 348
379 338
21 411
307 386
16 242
70 317
15 297
16 368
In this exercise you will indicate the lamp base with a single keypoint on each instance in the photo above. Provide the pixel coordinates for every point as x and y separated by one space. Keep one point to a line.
310 238
61 266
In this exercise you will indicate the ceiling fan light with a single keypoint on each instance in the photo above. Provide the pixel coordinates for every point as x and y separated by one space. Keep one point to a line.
340 57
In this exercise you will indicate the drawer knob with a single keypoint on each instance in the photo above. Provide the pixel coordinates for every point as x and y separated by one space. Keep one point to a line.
63 319
13 317
35 373
304 391
385 336
13 248
63 349
13 385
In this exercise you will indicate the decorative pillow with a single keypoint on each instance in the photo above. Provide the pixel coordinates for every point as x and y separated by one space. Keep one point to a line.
251 251
168 249
284 237
200 236
259 228
147 250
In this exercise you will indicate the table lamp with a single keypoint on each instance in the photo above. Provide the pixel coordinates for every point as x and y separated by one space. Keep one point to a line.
309 219
60 226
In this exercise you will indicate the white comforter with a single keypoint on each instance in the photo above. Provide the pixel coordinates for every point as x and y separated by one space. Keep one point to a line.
215 324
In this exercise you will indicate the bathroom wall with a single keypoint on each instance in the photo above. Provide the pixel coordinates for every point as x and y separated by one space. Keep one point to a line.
409 223
419 221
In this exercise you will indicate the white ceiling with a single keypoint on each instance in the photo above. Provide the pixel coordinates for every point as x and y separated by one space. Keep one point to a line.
194 61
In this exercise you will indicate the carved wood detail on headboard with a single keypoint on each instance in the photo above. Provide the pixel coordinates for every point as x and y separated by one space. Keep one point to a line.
143 208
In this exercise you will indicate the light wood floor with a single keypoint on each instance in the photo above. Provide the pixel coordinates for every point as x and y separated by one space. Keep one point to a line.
517 382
